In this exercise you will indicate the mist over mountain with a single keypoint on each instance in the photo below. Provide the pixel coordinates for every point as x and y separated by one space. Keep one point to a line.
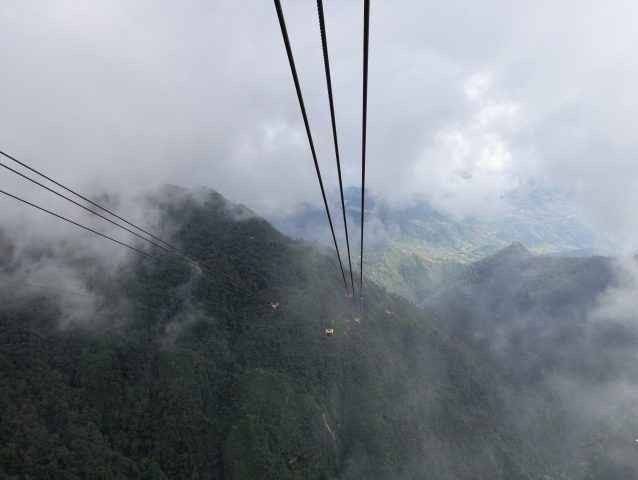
516 366
158 369
563 334
411 247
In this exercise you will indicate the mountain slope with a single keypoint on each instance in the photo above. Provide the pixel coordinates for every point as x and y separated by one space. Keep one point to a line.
226 373
564 337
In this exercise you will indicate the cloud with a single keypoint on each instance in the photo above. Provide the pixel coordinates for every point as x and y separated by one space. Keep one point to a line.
58 272
465 102
620 302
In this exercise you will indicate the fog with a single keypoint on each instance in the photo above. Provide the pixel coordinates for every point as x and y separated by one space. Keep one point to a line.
465 102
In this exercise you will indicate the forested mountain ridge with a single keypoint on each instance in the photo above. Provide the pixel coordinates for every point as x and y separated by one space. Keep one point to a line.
225 372
562 332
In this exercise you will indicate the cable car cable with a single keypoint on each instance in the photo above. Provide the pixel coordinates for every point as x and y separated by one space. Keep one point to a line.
366 32
201 265
293 69
89 229
97 214
326 61
85 198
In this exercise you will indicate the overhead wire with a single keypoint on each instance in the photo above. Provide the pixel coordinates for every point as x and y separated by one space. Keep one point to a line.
165 246
366 34
190 261
85 198
79 225
326 62
293 69
84 207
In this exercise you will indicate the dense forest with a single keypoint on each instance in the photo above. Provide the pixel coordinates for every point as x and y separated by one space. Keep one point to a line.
561 330
224 371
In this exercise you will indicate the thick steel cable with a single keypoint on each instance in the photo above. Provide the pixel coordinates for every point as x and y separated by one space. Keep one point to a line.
85 198
366 33
326 62
293 69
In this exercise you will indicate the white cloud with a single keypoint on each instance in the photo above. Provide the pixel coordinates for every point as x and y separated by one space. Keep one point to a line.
465 100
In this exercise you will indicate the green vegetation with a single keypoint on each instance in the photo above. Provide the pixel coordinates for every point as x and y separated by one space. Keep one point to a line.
413 248
568 369
179 374
199 377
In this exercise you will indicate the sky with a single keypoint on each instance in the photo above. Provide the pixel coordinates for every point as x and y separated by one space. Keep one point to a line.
467 100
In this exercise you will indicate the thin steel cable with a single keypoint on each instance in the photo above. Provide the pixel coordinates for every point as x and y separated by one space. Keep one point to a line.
85 198
172 250
84 207
366 34
88 229
293 69
200 265
326 62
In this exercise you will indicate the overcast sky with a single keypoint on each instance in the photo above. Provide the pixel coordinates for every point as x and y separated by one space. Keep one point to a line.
466 99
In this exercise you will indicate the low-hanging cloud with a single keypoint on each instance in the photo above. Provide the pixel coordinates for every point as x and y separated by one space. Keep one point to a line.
466 101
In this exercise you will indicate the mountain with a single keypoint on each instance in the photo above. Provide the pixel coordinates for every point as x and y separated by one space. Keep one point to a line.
563 336
515 367
515 284
412 247
159 369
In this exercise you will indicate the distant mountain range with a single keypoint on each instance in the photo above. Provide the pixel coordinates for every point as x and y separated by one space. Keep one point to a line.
410 247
